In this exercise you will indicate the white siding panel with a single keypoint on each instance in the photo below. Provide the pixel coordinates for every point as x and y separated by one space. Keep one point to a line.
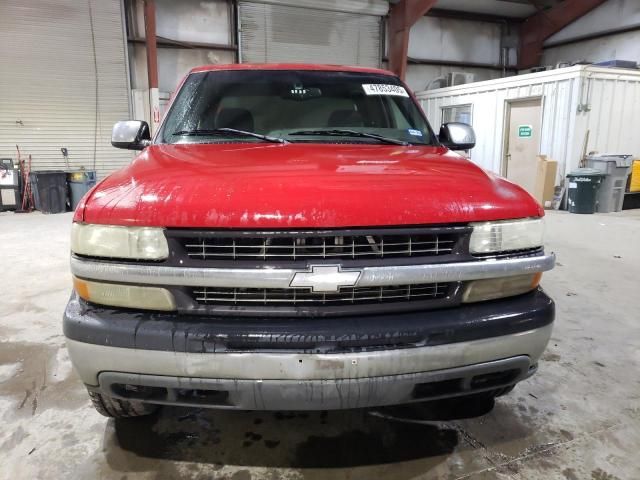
278 33
615 115
53 92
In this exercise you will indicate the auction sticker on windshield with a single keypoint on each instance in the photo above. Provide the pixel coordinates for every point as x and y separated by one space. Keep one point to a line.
383 89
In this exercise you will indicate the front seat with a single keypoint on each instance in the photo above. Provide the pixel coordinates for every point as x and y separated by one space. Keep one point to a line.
345 118
238 118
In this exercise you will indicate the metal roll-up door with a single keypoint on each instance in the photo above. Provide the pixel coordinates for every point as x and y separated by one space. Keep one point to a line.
63 82
348 33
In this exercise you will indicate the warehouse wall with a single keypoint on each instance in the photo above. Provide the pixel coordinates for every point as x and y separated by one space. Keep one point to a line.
63 82
448 40
610 17
207 21
339 32
432 39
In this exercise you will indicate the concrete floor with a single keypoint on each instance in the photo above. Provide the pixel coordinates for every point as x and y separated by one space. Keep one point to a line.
578 418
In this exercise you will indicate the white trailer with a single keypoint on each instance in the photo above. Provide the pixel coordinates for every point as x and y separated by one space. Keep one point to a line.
559 113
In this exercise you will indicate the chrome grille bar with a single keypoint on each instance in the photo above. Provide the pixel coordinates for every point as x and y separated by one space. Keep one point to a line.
294 296
292 247
282 277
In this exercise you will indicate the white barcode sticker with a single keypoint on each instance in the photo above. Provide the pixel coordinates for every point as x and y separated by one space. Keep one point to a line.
383 89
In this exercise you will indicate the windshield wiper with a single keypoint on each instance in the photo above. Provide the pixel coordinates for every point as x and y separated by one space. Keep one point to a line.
350 133
230 131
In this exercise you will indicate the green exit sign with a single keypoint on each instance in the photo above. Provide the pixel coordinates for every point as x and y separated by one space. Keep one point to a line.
525 131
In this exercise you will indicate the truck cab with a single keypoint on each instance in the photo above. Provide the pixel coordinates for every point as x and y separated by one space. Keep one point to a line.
297 237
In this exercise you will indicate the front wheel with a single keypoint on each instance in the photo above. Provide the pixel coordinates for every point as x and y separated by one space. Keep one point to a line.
472 405
117 408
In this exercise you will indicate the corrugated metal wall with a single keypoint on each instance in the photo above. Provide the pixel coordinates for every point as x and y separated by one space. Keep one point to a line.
361 7
282 33
612 98
53 92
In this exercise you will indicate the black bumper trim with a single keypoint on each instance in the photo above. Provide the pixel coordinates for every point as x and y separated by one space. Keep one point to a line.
207 334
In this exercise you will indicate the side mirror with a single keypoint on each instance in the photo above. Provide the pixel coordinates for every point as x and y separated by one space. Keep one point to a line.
131 134
457 136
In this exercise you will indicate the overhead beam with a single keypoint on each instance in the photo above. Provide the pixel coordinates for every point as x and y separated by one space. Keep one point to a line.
470 16
169 43
541 25
402 16
455 63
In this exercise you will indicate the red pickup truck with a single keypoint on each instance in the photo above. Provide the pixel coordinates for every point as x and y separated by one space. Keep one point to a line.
296 237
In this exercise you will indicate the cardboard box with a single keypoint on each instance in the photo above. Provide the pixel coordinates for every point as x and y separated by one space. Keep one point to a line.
634 185
546 171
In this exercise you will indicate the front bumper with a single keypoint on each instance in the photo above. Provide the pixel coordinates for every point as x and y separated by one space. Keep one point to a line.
320 394
305 364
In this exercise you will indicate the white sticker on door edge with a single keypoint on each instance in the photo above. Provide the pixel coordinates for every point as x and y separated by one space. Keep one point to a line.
383 89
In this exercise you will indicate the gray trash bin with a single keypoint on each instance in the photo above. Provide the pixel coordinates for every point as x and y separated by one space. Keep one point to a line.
617 168
79 184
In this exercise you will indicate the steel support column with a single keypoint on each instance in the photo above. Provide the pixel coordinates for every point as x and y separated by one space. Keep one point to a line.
152 62
540 26
402 16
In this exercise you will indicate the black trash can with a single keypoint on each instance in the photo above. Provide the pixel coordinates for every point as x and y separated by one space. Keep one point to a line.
79 184
49 191
583 189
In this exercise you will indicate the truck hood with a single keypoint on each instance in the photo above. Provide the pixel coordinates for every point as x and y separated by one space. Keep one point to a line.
301 185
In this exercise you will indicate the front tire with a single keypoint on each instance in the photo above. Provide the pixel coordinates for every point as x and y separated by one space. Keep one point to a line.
117 408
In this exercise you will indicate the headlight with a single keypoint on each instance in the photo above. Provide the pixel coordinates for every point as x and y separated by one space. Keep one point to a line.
492 288
127 296
141 243
504 236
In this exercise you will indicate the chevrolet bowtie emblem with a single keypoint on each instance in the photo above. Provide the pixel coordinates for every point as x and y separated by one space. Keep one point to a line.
325 278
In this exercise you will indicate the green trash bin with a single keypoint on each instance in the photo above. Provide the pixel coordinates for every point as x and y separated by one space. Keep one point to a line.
80 183
583 189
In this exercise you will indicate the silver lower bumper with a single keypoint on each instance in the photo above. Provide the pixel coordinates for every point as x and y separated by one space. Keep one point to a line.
316 394
292 381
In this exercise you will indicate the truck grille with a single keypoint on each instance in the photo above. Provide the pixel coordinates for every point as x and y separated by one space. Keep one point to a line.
301 297
299 246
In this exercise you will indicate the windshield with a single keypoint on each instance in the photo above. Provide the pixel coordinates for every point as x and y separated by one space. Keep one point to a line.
297 106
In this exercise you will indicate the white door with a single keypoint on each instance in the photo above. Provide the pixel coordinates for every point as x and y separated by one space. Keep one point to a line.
523 142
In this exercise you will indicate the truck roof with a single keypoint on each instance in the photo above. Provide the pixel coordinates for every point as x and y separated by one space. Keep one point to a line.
289 66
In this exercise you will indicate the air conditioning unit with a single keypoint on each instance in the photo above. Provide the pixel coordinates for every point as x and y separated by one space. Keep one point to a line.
543 68
460 78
